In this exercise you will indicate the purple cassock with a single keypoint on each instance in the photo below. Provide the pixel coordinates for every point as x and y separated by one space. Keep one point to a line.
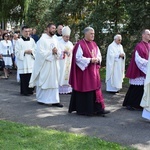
132 101
133 71
89 79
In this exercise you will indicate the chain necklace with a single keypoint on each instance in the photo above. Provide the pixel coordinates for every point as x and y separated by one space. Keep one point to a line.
92 53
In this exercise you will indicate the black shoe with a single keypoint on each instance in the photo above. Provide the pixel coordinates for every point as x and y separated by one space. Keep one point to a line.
130 108
103 112
25 94
113 92
40 103
57 105
134 108
30 93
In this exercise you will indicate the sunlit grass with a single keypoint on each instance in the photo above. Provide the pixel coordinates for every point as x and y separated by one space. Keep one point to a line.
15 136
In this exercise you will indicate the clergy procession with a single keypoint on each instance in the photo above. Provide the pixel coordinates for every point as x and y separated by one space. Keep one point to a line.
51 64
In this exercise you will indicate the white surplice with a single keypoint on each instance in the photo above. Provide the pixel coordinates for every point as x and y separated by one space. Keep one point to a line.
83 62
145 102
45 74
115 67
25 62
65 65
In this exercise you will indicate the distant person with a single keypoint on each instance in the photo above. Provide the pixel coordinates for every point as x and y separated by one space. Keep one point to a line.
6 51
34 35
2 63
46 69
1 35
14 40
25 55
30 32
136 73
58 34
115 65
66 47
86 97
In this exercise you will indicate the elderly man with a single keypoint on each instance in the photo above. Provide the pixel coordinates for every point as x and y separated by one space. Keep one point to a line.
86 98
66 47
46 69
24 50
115 65
136 73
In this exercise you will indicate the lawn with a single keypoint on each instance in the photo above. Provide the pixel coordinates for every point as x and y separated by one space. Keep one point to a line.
15 136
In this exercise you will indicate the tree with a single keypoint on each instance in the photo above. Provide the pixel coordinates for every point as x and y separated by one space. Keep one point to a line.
107 18
139 16
36 11
14 10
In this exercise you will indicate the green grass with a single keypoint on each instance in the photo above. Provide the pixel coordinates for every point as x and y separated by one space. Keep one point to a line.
15 136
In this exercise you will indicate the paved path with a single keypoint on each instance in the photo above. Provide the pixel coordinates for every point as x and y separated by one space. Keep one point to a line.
121 126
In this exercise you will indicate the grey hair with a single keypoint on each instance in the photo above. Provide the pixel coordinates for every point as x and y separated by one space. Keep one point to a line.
87 29
117 36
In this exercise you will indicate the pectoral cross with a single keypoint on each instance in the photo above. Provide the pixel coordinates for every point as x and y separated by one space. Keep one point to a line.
92 53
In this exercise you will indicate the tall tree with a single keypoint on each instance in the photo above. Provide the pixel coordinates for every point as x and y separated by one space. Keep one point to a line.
36 11
139 16
13 10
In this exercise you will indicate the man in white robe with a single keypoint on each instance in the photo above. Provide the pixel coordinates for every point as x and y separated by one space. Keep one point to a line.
115 65
66 47
58 34
46 69
25 51
145 102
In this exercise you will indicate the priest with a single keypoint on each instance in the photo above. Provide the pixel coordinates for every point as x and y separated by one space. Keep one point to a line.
46 69
115 65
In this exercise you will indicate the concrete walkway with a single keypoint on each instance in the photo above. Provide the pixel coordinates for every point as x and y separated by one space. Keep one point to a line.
120 126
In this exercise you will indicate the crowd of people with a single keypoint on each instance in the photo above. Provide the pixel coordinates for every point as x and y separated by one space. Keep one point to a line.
52 65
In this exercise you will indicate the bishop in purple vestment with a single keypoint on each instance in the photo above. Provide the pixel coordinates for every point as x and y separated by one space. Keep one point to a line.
86 98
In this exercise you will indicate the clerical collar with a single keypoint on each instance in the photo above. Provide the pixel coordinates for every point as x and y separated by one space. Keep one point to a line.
58 34
145 42
26 39
87 40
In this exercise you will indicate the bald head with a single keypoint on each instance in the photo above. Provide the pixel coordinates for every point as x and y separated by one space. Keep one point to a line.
59 29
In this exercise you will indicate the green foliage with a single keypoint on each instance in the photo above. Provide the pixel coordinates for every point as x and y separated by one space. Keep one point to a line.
13 10
115 16
16 136
36 12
